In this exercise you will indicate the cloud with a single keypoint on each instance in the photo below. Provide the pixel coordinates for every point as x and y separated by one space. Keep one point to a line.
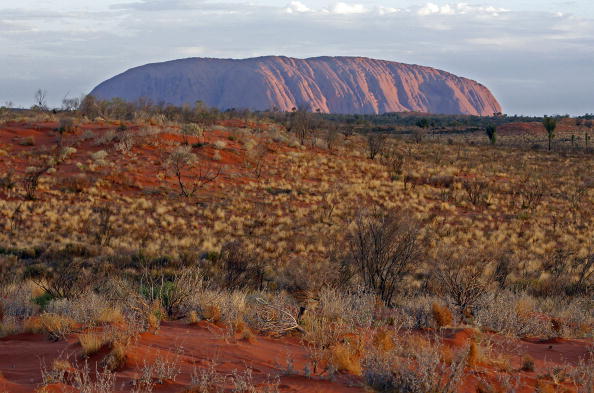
191 51
347 9
387 10
65 50
340 8
157 5
297 6
459 9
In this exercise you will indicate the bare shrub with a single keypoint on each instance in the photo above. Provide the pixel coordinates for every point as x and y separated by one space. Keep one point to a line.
256 159
529 194
355 308
181 162
273 315
87 309
463 282
207 380
510 314
375 144
382 249
477 191
301 123
16 300
166 368
235 267
66 277
99 225
582 375
331 138
99 381
393 160
423 372
170 290
32 177
7 181
65 125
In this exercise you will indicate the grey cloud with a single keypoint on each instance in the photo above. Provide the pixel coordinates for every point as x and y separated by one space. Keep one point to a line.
521 56
179 5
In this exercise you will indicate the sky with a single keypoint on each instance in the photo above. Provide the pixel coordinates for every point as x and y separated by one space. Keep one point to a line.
537 57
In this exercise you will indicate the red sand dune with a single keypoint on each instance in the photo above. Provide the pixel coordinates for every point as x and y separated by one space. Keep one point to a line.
197 345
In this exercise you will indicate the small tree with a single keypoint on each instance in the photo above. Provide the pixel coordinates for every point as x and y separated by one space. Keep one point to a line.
550 124
330 137
66 124
181 162
375 144
301 123
423 125
71 104
89 107
191 129
40 100
463 282
382 248
393 160
43 166
491 131
588 125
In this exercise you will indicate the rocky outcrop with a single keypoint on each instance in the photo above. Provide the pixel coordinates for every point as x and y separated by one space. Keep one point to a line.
330 84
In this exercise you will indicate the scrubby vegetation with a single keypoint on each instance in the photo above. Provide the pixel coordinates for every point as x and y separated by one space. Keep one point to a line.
409 262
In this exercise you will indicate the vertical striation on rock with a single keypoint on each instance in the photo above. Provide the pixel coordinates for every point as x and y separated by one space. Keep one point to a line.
330 84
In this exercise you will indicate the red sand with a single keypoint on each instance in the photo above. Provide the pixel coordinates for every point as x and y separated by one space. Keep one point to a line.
196 345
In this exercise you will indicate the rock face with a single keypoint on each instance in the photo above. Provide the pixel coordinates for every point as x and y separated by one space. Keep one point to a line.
330 84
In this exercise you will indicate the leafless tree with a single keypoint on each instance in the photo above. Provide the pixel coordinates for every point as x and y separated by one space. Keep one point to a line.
477 191
40 100
100 225
31 180
256 160
237 268
330 136
301 123
382 249
182 162
375 144
393 160
462 280
71 104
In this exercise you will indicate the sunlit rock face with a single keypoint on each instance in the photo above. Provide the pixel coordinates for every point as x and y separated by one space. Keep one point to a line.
329 84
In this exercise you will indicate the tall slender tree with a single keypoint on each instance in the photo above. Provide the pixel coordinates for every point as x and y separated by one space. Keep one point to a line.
491 131
550 124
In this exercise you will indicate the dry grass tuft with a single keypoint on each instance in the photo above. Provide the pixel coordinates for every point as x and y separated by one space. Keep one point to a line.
212 313
91 343
475 355
545 387
446 354
57 327
193 317
116 358
248 335
347 356
110 315
384 340
528 363
441 314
